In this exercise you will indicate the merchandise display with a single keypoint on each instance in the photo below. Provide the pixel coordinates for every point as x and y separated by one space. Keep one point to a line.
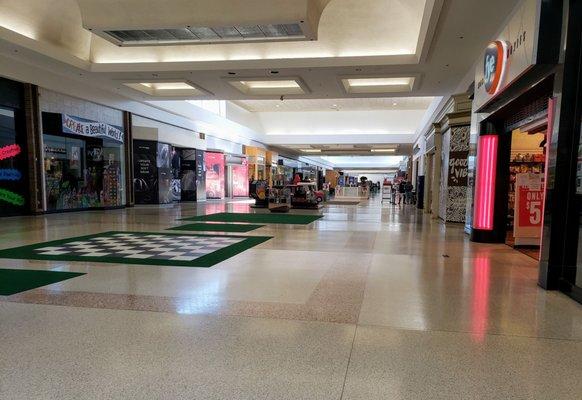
82 170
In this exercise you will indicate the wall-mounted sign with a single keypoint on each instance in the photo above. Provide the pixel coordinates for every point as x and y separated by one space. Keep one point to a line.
494 66
9 151
84 127
507 58
458 168
11 197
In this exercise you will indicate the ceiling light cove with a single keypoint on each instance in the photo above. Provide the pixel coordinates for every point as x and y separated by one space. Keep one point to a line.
359 85
269 87
178 89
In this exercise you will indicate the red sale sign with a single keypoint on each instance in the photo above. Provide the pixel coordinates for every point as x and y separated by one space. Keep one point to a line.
529 208
531 204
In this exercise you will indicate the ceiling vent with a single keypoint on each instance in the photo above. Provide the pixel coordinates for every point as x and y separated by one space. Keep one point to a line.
168 22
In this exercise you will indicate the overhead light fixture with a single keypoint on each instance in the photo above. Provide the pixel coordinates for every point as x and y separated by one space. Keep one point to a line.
311 150
383 150
169 22
378 84
269 87
171 88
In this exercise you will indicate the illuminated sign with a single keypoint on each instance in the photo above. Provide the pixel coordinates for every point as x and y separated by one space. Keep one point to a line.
10 174
11 197
494 66
9 151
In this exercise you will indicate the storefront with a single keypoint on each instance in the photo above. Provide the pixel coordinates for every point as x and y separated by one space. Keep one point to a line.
13 151
525 187
168 163
84 163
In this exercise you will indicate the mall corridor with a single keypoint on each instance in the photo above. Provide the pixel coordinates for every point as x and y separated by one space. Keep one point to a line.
371 301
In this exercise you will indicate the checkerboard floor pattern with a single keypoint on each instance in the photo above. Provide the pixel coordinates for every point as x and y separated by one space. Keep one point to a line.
142 246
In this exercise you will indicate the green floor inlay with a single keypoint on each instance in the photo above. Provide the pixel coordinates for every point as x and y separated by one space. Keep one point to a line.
14 281
201 227
264 218
144 248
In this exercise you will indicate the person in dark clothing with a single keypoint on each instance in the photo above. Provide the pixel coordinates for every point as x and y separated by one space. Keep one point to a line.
401 191
408 193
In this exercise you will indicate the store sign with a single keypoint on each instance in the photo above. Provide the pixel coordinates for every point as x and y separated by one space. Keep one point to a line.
508 57
494 66
84 127
458 168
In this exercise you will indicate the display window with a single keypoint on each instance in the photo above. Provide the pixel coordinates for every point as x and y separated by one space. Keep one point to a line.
82 171
214 175
13 187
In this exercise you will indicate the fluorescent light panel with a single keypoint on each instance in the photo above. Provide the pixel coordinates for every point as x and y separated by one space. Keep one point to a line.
378 84
311 150
269 87
383 150
167 89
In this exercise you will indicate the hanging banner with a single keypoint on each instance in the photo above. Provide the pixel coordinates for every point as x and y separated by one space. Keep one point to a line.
84 127
529 206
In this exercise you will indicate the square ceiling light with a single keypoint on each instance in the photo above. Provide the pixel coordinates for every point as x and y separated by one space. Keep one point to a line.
378 84
269 87
168 89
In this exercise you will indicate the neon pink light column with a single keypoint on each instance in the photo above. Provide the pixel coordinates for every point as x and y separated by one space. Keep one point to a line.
485 182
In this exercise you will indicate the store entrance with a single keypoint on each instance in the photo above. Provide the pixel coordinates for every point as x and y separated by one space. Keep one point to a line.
525 193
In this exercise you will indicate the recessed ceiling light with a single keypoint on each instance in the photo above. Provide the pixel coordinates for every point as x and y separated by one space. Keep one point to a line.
167 89
383 150
395 104
270 87
378 84
311 150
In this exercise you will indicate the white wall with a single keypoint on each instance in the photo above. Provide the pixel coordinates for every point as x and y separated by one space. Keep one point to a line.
62 104
384 126
148 129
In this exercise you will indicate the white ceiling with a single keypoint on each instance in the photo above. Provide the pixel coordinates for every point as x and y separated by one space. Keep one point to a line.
434 41
355 104
364 162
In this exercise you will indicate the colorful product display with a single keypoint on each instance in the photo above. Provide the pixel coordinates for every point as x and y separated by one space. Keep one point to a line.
82 170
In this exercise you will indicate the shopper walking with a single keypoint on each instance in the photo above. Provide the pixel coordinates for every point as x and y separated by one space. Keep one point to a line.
408 193
401 191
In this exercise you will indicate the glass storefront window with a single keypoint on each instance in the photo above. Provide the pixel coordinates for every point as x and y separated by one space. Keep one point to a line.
83 173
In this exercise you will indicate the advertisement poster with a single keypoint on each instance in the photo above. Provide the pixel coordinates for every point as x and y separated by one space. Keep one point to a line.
529 205
458 168
145 172
188 174
214 175
240 183
164 164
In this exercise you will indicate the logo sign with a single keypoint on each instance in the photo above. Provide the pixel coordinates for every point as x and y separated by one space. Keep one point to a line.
494 66
83 127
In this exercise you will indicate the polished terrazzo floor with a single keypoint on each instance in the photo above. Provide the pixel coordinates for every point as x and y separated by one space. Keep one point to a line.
369 302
